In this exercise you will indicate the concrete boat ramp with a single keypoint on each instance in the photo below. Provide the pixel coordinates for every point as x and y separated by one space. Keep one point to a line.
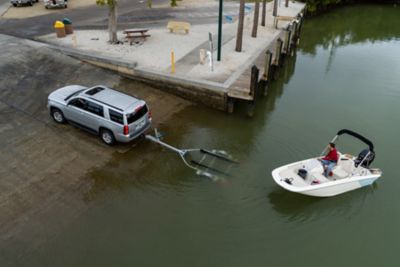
238 76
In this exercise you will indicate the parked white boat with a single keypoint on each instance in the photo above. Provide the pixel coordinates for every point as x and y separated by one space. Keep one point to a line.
349 173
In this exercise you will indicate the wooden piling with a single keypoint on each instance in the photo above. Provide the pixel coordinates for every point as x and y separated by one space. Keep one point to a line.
288 34
277 59
292 45
267 72
295 35
300 24
254 81
278 51
267 65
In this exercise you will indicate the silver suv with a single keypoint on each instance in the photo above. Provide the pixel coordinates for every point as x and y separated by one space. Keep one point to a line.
103 111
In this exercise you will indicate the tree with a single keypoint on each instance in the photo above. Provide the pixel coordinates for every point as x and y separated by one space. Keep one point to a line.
255 21
174 3
264 5
239 35
112 18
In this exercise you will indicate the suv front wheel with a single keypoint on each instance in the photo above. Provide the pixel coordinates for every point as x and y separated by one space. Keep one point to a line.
57 115
107 137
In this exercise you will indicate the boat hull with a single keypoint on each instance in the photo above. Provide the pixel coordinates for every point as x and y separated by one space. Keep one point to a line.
326 189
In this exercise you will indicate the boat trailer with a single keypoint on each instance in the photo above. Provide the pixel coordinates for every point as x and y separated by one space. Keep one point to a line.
213 164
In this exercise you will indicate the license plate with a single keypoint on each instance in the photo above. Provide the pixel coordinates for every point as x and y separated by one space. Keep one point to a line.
141 124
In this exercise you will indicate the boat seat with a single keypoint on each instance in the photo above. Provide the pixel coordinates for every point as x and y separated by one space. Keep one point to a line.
344 168
340 172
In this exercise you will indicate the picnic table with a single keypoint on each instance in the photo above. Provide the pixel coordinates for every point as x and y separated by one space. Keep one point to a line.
178 25
134 34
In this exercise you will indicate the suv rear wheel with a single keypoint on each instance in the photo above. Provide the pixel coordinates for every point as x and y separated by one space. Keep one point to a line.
107 137
57 115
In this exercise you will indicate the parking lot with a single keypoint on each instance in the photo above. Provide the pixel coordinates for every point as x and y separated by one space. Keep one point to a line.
42 163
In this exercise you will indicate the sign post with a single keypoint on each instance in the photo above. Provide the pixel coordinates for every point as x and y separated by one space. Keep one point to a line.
220 30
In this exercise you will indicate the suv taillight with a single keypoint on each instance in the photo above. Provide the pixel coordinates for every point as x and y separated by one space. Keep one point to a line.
126 129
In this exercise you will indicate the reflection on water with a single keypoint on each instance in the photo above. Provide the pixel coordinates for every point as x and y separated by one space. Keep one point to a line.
343 27
302 208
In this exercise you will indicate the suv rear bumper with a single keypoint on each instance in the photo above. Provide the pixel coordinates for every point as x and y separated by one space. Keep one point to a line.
125 139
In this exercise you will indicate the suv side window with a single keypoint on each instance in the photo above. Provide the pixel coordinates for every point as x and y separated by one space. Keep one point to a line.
94 108
78 102
116 116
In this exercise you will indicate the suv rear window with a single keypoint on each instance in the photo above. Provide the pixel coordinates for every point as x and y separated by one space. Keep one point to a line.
116 116
137 114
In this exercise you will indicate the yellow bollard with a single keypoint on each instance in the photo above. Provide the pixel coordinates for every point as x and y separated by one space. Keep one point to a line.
172 62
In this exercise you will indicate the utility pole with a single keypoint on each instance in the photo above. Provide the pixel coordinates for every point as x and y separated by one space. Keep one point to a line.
219 30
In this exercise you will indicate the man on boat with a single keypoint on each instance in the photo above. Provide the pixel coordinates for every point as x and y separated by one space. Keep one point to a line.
330 160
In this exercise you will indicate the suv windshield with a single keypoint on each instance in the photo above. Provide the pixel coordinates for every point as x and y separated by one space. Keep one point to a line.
73 94
131 118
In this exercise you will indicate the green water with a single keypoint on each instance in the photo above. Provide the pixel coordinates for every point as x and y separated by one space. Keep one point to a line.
345 74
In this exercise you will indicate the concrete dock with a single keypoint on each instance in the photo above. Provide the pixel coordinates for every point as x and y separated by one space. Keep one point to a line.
230 78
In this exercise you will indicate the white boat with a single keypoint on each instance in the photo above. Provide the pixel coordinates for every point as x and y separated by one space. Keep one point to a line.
349 173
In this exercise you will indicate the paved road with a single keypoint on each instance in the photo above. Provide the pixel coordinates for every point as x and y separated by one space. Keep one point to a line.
42 163
130 15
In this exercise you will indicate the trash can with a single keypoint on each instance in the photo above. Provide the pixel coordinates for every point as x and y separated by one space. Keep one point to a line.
60 29
68 26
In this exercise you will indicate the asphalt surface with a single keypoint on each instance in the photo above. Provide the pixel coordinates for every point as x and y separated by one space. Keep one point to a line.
43 163
130 15
95 16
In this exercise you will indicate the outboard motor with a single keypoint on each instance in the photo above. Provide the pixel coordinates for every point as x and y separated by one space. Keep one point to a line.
367 161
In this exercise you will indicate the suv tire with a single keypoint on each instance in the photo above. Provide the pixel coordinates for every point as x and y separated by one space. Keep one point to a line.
57 115
30 3
107 137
